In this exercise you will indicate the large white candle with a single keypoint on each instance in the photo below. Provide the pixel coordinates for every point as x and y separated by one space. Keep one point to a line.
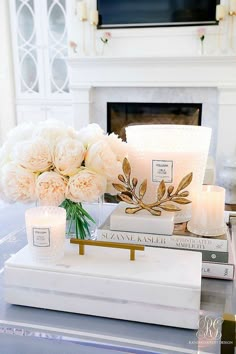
232 6
45 228
208 212
220 12
82 11
94 17
169 153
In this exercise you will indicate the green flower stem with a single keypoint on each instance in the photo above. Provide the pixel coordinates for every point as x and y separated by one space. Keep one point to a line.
76 213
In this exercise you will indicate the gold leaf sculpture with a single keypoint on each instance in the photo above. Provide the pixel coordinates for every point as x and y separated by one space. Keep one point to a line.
166 198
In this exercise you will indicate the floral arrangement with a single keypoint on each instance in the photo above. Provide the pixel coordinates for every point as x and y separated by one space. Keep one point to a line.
57 165
105 37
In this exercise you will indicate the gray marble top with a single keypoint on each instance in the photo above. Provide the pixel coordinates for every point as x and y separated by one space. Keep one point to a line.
25 330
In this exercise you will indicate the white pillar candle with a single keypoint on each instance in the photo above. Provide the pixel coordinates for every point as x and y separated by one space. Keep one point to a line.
45 228
94 17
168 152
208 212
232 6
82 10
220 12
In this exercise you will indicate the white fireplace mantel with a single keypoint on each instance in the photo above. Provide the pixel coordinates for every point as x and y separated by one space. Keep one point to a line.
186 71
89 73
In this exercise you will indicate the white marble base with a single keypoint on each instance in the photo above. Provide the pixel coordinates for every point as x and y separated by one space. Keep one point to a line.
143 221
162 286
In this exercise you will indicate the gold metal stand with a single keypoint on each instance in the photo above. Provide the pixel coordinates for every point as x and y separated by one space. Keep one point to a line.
126 246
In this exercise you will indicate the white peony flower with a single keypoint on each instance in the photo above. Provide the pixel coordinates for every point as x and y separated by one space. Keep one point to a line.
2 195
101 159
53 130
119 147
18 134
21 132
68 156
4 155
33 154
17 183
51 188
85 186
90 134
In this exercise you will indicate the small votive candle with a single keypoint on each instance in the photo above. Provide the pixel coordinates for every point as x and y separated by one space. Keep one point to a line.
208 212
46 228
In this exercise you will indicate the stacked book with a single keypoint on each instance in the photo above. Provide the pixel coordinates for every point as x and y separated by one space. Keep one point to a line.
217 256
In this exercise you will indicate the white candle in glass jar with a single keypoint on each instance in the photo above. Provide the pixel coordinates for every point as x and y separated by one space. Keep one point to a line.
82 11
45 228
208 212
220 12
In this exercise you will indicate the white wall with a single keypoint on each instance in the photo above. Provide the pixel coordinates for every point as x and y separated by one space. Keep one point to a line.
7 103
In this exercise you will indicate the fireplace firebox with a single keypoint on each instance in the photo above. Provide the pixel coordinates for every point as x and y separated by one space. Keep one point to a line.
121 115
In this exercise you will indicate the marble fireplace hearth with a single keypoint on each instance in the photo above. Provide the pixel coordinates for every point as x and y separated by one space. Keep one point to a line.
208 80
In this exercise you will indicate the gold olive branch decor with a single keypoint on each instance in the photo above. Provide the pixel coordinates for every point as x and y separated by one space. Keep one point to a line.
127 193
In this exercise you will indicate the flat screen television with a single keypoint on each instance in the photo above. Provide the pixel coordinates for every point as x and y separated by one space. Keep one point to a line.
154 13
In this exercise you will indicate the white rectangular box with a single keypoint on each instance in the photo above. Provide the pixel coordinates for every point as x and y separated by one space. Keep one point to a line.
143 221
162 286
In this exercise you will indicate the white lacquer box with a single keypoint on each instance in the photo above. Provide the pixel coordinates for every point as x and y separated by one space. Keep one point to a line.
162 286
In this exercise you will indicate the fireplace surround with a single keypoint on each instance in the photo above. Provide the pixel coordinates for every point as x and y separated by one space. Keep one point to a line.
209 80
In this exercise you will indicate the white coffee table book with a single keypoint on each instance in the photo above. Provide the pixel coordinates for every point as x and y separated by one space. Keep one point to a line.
162 286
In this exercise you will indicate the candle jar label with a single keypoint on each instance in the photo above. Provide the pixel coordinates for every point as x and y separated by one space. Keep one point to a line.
41 236
162 170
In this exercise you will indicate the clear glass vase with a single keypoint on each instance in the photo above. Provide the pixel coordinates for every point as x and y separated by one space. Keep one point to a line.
91 223
102 48
201 47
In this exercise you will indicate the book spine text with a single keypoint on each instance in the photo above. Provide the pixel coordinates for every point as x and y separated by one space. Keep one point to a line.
181 242
218 270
